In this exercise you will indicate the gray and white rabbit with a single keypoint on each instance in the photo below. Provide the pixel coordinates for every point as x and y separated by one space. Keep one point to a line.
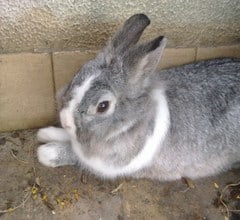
122 118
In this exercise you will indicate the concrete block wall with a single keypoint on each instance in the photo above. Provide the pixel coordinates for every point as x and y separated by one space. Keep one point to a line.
43 43
28 81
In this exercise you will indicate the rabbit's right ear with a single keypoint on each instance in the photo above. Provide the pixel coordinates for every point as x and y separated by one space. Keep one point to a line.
130 33
141 61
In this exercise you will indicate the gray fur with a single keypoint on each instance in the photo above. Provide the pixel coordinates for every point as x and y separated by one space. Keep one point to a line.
203 100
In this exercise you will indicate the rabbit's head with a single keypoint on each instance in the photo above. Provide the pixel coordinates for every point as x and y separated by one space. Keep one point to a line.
110 94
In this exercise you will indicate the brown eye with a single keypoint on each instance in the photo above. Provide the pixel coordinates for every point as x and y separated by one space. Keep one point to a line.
103 106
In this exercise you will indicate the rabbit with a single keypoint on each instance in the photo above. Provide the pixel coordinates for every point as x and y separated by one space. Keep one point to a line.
121 117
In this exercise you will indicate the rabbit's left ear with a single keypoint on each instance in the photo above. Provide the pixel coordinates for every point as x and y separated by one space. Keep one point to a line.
143 59
130 33
125 38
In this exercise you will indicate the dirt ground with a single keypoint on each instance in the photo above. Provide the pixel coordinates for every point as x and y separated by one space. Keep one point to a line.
29 190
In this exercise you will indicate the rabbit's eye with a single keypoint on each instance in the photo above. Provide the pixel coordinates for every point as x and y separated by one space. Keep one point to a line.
103 106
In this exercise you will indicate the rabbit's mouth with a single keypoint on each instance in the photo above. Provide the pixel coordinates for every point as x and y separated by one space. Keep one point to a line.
67 121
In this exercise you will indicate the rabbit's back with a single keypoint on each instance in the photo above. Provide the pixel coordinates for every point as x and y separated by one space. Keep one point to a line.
217 72
209 88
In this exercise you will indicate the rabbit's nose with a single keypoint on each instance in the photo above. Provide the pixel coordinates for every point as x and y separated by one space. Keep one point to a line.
66 126
65 120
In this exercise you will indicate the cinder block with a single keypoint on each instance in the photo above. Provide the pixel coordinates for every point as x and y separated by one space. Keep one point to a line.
26 91
66 64
217 52
173 57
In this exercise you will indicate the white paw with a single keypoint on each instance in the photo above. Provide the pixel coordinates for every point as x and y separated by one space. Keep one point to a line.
48 155
51 134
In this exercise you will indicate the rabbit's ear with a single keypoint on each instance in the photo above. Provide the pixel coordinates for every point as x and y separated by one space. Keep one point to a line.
143 60
130 33
123 39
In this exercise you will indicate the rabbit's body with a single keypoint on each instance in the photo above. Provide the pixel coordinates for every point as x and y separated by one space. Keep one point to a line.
204 133
122 119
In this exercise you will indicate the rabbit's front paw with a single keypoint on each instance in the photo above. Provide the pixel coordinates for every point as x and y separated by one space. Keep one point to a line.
51 134
55 154
49 155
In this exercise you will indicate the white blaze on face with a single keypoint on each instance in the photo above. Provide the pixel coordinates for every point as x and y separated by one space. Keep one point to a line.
67 113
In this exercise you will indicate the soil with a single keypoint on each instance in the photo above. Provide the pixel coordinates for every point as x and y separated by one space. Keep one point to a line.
28 190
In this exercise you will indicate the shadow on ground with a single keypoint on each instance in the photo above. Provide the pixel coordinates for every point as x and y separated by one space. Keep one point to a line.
29 190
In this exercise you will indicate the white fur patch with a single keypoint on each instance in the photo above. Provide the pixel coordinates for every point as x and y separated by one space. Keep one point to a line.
48 154
145 156
66 114
51 134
